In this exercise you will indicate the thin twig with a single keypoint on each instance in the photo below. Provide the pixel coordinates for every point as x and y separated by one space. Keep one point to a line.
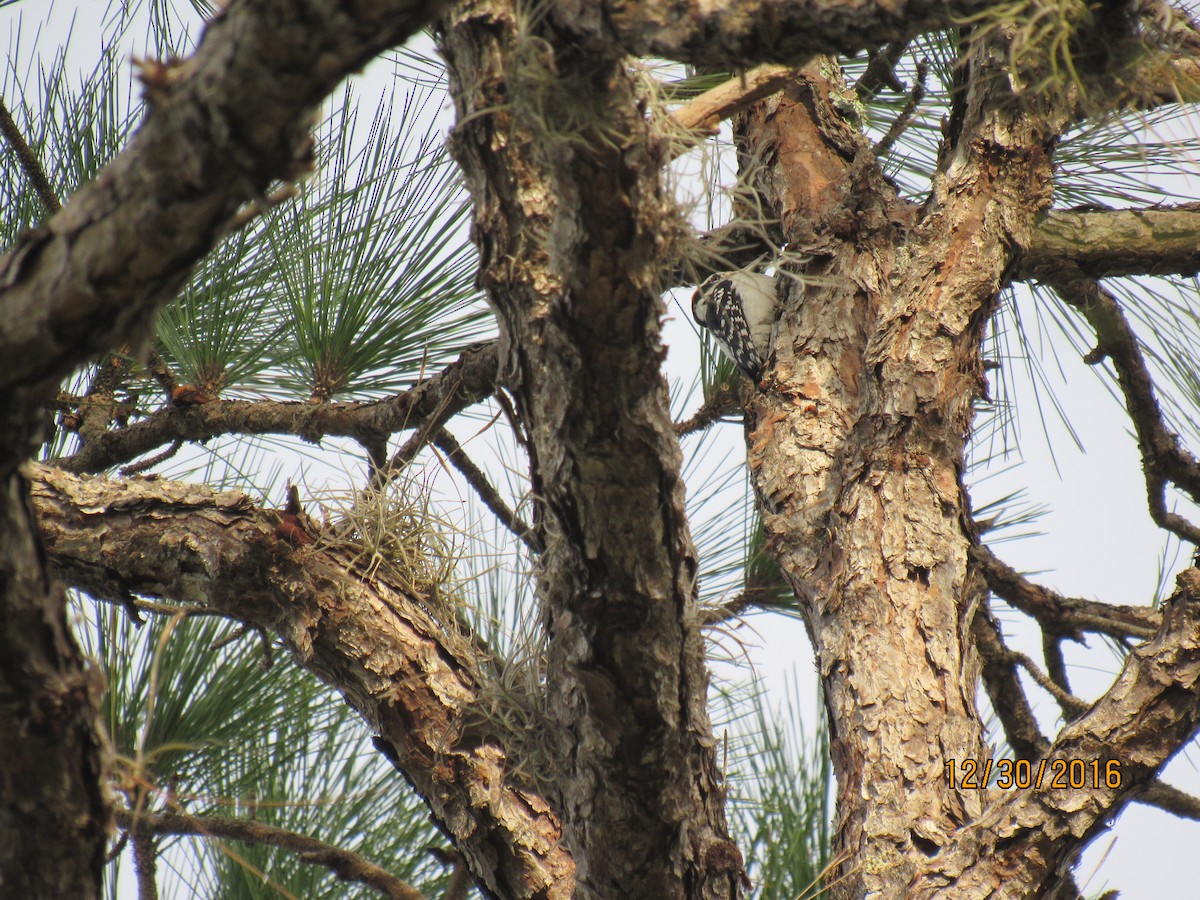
233 637
118 847
150 462
514 421
1064 616
915 96
29 161
491 498
260 207
1071 705
268 654
1171 799
1163 457
1020 725
1056 663
376 449
460 876
158 368
407 453
240 632
145 864
444 409
346 865
136 604
724 400
98 409
1005 689
881 71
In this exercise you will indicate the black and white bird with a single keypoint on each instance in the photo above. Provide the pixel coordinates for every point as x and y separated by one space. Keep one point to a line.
739 308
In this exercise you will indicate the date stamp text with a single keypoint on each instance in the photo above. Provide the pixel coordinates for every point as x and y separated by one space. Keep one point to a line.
1051 774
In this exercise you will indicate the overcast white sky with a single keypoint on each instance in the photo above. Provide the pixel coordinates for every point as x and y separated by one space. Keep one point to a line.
1098 541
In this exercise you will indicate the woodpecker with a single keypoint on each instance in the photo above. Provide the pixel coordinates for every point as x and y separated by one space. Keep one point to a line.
739 308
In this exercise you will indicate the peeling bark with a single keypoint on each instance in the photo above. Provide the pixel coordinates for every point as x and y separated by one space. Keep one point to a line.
858 449
222 125
410 677
856 444
569 217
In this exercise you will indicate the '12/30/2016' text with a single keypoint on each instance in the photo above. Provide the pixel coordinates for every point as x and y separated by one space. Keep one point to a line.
1053 774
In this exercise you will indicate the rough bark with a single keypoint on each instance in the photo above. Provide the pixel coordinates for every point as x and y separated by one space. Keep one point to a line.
856 444
53 816
1112 242
409 674
468 380
756 31
1026 839
570 218
858 449
223 124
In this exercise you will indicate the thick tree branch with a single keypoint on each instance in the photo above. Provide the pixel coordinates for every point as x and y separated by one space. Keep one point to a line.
857 448
1020 725
464 382
346 865
1028 835
756 31
411 676
54 819
1164 457
1113 242
222 125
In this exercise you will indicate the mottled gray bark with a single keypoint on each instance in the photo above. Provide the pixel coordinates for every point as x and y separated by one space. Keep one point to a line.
570 218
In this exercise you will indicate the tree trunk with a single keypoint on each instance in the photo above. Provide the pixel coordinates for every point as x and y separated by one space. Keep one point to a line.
857 442
54 819
570 220
858 450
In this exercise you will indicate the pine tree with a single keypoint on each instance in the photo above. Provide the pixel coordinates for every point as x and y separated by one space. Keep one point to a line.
261 342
